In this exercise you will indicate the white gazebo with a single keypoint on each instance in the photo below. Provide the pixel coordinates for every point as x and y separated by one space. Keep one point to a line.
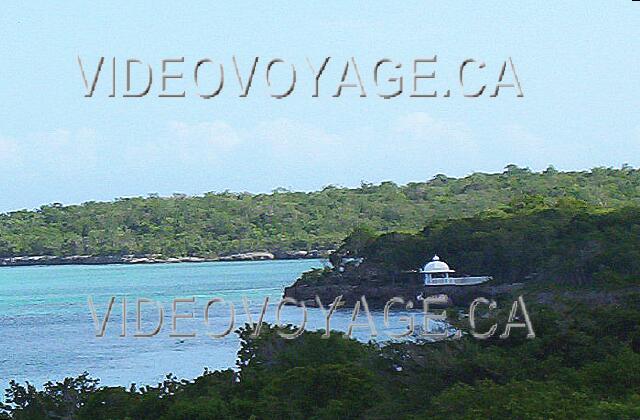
436 273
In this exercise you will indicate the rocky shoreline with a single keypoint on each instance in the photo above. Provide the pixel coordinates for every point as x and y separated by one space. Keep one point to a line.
379 285
157 258
378 296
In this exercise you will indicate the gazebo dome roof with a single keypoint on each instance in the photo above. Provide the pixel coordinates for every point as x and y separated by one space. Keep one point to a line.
437 266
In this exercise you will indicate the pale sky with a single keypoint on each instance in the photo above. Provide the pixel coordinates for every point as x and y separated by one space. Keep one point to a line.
577 63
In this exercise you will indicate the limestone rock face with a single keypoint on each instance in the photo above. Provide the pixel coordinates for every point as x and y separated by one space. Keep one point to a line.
248 256
379 285
157 258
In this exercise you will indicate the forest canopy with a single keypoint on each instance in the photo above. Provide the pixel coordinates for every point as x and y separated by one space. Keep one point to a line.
224 222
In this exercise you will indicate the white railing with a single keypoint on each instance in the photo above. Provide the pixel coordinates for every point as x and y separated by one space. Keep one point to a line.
459 281
471 280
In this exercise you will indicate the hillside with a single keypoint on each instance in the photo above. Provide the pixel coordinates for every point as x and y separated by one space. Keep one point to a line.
569 244
222 223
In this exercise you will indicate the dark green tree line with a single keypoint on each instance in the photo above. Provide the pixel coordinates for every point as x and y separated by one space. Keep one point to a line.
220 223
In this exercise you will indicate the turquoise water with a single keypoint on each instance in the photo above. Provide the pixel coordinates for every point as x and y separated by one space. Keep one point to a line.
47 331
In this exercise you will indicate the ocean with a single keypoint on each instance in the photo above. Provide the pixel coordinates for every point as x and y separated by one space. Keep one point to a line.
47 331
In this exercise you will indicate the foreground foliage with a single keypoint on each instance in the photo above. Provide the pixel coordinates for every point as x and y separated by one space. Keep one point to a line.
585 363
578 259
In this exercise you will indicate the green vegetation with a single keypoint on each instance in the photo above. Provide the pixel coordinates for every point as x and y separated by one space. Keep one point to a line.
568 243
583 364
221 223
573 239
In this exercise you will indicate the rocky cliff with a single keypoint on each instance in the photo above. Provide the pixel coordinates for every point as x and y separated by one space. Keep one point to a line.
156 258
379 285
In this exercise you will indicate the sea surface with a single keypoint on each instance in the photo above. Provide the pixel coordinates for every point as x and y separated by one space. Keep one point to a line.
47 331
